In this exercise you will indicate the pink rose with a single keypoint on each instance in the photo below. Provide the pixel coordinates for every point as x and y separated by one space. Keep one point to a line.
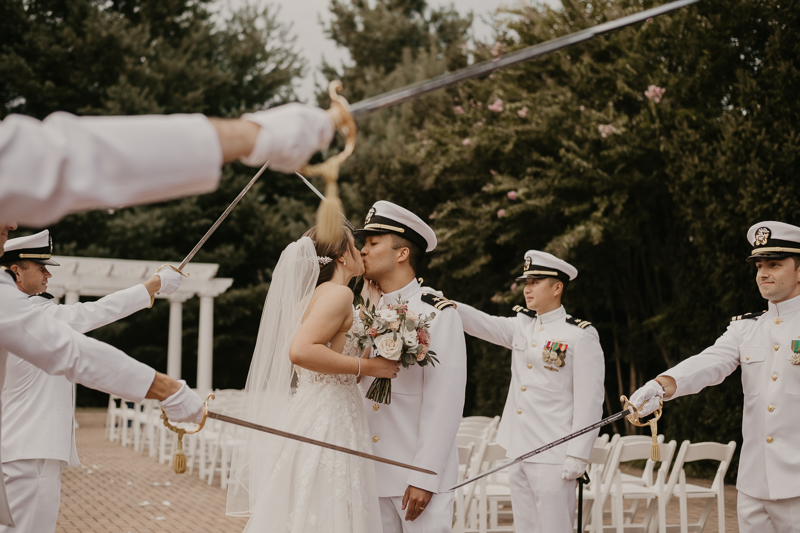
372 332
512 195
422 353
466 142
424 337
523 112
501 213
458 110
497 106
654 93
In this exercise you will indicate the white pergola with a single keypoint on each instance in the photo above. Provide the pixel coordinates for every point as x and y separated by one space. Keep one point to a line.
91 276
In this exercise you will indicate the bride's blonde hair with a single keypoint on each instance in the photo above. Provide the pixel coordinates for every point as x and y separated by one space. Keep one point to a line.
334 251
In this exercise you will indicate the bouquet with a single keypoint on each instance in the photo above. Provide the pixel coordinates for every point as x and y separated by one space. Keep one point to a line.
398 334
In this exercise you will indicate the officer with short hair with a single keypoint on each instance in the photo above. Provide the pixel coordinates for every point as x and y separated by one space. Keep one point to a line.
766 345
557 375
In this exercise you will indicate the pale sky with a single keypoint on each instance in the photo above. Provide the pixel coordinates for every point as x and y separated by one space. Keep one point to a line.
304 16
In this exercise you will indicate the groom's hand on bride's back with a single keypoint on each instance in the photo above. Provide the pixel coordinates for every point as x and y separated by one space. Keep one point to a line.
371 292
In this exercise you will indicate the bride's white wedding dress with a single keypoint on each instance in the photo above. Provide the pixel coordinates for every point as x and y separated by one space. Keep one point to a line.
313 489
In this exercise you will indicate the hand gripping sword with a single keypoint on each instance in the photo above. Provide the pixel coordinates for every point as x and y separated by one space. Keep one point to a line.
630 412
179 463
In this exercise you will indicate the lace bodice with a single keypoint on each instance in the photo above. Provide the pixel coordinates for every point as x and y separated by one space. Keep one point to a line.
350 349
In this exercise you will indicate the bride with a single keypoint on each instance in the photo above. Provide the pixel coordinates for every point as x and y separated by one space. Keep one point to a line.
284 485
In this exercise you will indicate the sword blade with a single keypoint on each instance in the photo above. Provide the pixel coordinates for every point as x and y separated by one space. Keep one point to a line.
322 197
562 440
392 98
265 429
221 218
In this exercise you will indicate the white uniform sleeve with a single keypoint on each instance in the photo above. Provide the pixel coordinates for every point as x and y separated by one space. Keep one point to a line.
709 367
495 329
32 335
83 317
443 390
588 374
67 163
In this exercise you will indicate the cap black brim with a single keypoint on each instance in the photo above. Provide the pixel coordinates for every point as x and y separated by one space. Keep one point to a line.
45 262
767 257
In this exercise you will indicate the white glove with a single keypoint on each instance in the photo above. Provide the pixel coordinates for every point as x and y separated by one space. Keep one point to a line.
184 406
289 136
652 392
573 468
170 280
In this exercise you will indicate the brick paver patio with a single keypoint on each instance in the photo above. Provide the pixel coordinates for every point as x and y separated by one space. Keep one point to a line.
117 490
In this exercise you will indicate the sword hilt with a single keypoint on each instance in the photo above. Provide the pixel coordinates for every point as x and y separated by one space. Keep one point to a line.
179 461
329 227
633 418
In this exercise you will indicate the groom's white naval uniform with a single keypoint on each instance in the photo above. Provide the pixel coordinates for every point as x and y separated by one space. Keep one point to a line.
419 427
547 399
39 436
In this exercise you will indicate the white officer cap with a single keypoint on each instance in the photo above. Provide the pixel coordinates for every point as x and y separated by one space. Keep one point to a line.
386 217
37 248
543 265
773 240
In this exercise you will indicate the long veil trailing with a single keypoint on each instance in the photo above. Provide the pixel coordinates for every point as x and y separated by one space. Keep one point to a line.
268 390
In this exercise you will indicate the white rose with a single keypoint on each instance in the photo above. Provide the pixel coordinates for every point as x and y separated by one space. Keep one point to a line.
410 339
389 315
388 347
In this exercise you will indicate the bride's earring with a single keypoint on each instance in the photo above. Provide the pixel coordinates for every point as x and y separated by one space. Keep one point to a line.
345 262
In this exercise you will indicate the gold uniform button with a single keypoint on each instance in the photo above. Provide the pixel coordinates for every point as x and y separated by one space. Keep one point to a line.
530 365
747 357
541 328
519 411
375 407
771 408
778 320
524 388
777 347
774 377
375 439
533 345
769 440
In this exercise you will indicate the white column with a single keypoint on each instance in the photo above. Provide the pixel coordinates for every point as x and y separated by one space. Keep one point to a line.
205 344
174 347
71 297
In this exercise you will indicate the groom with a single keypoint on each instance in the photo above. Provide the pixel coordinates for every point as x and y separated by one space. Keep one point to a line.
419 426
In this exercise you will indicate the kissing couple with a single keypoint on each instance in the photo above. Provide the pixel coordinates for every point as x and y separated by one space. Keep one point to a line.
309 377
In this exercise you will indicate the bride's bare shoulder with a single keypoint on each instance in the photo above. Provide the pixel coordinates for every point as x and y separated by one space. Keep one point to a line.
334 295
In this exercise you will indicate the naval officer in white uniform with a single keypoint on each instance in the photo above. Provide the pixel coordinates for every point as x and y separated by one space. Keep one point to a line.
39 437
766 345
557 375
419 427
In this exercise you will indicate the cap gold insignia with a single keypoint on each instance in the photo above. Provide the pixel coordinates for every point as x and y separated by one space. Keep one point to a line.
369 216
527 263
762 236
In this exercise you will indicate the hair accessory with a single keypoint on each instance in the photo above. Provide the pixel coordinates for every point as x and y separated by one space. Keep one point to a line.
324 260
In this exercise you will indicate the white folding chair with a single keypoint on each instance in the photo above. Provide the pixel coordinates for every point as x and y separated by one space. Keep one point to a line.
596 491
491 492
464 459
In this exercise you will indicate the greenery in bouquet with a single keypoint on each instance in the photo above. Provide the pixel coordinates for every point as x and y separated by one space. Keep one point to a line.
398 334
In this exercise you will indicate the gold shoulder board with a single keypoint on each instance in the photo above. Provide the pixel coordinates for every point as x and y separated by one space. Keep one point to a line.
524 311
439 302
583 324
747 316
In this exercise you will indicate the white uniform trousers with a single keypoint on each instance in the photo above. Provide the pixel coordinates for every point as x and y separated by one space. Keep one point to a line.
436 518
766 516
34 494
541 501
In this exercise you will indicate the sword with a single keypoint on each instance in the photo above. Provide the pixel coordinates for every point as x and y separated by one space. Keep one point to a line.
410 92
627 412
220 219
179 464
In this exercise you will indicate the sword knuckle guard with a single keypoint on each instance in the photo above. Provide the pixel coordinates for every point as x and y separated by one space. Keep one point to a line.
633 418
329 224
179 460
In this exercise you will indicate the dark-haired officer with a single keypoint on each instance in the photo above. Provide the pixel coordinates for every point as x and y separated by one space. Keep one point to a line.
557 375
766 345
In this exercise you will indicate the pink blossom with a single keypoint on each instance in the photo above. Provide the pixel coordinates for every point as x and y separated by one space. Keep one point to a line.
514 286
458 110
501 213
582 108
654 93
423 337
423 353
523 112
497 298
373 332
432 216
649 21
606 130
497 49
466 142
493 172
497 106
512 195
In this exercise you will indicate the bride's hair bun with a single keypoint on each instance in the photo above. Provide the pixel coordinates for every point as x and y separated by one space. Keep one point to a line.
327 254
